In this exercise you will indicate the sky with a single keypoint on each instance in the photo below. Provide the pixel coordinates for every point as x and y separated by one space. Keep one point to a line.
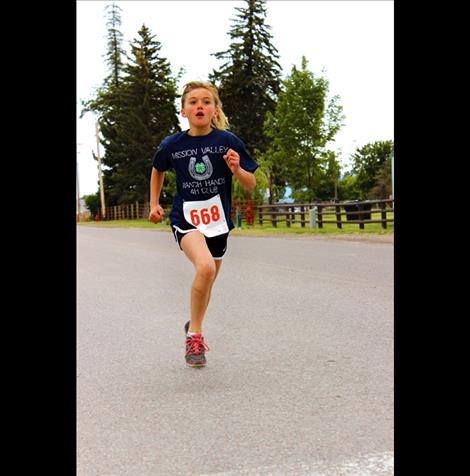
349 43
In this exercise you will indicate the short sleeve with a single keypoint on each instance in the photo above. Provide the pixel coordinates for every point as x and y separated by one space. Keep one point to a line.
246 161
161 159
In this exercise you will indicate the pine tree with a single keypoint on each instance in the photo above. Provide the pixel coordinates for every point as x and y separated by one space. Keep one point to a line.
147 115
107 103
105 99
115 51
248 81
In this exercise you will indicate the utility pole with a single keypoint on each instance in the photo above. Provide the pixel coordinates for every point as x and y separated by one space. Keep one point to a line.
393 175
103 206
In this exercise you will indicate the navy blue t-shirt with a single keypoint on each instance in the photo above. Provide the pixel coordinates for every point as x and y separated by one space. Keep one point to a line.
201 171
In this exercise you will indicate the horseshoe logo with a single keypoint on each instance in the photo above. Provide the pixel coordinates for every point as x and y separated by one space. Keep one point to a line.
200 171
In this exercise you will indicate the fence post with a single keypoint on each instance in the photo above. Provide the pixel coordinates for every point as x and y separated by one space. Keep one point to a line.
288 217
260 215
302 216
338 216
384 214
320 216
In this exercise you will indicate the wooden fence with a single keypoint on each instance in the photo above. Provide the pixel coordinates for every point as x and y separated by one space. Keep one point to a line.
132 211
357 212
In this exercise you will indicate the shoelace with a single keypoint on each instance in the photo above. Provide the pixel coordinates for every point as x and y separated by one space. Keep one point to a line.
194 343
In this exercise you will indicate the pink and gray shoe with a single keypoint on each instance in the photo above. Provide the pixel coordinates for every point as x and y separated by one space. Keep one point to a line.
195 349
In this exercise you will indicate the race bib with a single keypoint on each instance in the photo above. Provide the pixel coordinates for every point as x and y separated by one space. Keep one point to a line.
207 216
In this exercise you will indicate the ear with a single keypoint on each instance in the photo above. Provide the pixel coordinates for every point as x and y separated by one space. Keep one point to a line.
183 112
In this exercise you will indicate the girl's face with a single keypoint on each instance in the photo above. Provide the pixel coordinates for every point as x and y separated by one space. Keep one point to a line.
199 108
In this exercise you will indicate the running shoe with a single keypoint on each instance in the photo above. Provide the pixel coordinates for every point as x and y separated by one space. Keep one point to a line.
195 349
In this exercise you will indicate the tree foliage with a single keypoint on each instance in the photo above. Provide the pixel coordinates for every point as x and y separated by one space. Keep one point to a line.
115 51
383 181
107 95
369 164
92 202
248 81
347 187
303 123
147 114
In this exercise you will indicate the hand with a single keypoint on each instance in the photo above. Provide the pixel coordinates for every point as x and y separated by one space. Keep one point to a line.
156 214
232 160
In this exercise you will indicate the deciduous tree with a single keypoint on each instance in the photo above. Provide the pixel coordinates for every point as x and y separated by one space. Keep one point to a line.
303 123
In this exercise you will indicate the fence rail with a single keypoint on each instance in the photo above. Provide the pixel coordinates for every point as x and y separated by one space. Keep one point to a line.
357 212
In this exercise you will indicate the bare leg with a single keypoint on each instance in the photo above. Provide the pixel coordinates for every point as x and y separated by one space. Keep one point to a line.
194 246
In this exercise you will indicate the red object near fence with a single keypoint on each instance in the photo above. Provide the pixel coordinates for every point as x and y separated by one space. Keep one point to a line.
250 216
247 210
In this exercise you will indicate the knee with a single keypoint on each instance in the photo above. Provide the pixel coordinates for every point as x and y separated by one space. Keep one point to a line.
206 270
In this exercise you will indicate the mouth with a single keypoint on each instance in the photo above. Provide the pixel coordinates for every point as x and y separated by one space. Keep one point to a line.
200 114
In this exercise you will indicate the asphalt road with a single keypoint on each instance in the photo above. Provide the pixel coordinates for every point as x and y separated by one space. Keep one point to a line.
299 378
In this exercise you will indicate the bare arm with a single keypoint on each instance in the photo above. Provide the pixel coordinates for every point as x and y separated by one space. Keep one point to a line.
247 179
156 185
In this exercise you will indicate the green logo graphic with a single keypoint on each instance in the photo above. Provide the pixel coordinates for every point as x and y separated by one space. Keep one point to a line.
200 168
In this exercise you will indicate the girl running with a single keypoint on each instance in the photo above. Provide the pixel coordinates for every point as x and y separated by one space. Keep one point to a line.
205 158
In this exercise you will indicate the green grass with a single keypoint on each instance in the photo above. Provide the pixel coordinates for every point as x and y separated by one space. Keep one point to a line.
267 228
124 224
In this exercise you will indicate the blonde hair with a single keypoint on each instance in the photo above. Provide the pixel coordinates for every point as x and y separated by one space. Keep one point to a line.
220 121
